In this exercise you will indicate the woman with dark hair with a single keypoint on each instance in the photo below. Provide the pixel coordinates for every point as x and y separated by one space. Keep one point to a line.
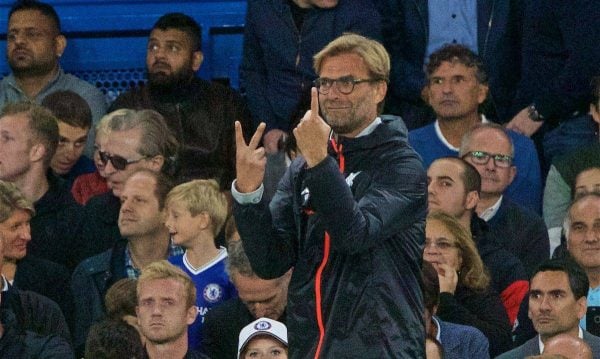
465 294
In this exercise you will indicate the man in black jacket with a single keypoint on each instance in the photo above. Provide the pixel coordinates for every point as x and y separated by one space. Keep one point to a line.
199 113
348 215
29 140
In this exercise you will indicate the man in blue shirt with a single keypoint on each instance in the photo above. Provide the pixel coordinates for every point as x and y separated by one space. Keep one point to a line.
413 30
457 86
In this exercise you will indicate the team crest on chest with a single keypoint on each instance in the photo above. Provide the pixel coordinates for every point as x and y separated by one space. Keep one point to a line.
212 293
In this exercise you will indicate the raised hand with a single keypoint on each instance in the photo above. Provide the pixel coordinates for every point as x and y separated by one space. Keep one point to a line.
250 160
312 133
448 278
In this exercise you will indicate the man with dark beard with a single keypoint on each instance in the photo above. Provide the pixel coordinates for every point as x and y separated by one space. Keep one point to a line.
201 114
34 46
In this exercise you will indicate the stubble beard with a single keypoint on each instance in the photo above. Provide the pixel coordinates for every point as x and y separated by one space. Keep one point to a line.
33 69
343 123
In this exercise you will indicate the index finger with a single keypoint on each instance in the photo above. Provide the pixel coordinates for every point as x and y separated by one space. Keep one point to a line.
239 135
314 102
255 140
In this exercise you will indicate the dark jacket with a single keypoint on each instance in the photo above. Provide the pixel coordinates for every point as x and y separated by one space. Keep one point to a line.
371 298
560 55
22 344
35 313
100 228
483 311
48 279
504 267
91 280
277 62
521 232
201 115
222 326
406 35
507 274
55 226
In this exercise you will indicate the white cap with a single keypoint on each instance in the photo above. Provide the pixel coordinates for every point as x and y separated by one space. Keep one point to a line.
263 326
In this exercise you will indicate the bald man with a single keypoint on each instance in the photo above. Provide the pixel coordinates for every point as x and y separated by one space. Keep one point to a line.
569 347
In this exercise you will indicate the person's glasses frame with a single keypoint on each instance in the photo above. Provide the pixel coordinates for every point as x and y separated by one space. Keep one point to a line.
118 162
442 245
482 158
344 85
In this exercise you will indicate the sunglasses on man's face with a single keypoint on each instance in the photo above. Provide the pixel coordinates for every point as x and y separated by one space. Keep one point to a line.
118 162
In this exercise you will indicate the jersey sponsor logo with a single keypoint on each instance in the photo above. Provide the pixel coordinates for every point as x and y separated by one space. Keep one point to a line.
212 293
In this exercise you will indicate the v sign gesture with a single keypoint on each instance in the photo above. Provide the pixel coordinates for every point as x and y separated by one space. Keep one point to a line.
250 160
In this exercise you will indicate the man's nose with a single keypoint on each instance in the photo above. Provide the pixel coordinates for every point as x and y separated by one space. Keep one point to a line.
545 304
109 169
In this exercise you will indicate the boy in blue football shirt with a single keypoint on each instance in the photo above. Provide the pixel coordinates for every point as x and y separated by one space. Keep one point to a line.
196 212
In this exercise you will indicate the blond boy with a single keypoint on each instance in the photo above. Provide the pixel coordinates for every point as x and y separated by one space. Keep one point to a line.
196 212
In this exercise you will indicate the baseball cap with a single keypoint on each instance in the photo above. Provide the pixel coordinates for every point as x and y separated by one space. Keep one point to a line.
262 326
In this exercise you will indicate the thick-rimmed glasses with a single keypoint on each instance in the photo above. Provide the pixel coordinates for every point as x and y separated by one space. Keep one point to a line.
344 85
482 158
118 162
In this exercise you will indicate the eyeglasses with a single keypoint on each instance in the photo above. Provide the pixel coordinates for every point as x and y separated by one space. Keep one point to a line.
344 85
118 162
442 245
482 158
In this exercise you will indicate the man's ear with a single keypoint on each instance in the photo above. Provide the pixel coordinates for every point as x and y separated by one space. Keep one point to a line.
482 93
156 163
471 200
197 59
191 314
512 174
60 44
37 152
581 307
381 90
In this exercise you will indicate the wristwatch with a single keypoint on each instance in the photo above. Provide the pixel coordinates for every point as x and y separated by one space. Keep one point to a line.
533 113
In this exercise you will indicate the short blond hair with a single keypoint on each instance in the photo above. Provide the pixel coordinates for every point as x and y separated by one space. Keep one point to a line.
373 53
11 200
202 196
42 124
165 270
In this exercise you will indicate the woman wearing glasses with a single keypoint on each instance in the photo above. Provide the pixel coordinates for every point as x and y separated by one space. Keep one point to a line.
465 294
